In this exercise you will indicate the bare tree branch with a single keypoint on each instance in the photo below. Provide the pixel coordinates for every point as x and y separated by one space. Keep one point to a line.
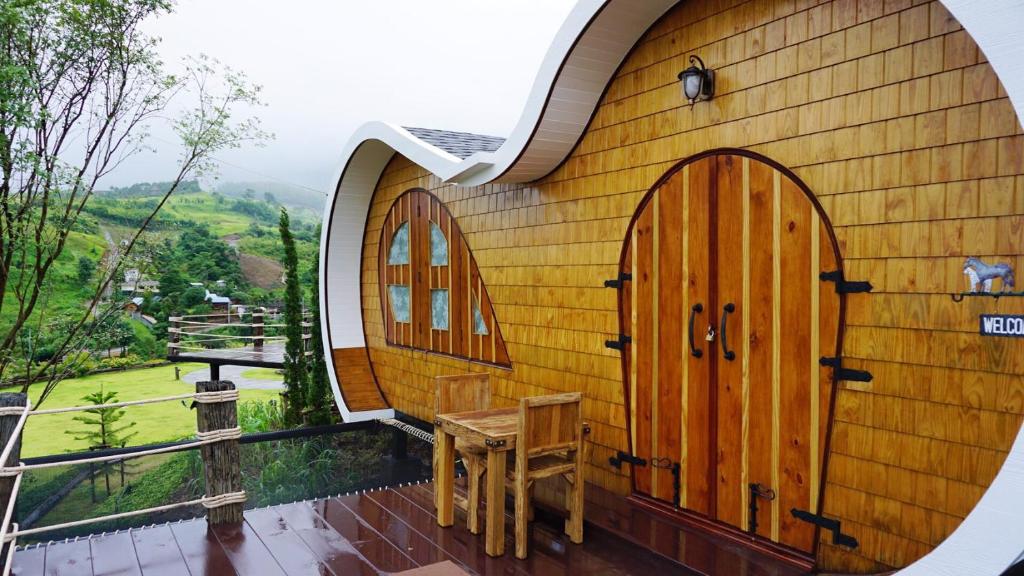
79 84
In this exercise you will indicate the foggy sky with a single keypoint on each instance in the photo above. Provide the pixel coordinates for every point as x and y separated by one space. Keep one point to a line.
328 66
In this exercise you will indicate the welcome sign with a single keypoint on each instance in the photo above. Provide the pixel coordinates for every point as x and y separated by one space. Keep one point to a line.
1011 325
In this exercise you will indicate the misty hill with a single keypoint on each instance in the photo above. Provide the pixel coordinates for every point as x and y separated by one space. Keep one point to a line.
148 189
286 194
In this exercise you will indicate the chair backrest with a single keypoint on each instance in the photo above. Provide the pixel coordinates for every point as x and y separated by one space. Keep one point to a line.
462 393
549 424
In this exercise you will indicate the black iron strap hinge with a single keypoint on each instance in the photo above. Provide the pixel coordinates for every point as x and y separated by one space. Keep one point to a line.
621 457
848 374
838 538
617 283
844 286
618 344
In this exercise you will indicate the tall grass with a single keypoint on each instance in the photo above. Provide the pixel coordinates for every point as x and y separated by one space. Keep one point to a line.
257 416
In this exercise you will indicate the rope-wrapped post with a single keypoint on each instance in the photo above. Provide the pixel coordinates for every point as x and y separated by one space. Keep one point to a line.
221 459
8 424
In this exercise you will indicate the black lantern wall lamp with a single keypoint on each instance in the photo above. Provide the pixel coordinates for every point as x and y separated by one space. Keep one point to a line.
698 83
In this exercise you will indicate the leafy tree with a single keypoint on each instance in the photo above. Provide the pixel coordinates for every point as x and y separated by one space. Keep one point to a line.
208 258
318 396
103 427
171 281
295 371
86 268
255 230
79 83
193 297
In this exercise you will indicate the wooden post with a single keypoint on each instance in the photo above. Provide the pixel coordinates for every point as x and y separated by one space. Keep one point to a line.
7 424
221 460
257 329
306 333
174 336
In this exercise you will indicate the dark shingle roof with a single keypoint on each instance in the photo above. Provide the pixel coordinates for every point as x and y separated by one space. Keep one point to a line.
461 144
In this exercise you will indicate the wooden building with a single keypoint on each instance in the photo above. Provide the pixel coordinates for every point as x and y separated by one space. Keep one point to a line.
758 294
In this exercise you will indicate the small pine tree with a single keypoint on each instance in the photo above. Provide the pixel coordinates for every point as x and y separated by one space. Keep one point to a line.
86 268
319 393
295 371
103 429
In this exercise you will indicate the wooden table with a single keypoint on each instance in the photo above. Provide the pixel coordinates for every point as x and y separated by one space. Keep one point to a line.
496 431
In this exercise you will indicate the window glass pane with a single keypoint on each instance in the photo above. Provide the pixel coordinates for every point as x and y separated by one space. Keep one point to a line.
479 326
399 296
438 246
439 309
399 252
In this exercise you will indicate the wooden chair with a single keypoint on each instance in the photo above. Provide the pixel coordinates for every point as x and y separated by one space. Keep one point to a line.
549 442
466 393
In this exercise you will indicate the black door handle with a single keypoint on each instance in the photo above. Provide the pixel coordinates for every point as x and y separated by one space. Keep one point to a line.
726 310
697 309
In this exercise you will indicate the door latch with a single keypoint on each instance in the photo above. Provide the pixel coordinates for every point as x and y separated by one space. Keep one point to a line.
757 490
676 469
621 457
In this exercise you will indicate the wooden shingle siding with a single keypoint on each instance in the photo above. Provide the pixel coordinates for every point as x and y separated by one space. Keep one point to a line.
892 117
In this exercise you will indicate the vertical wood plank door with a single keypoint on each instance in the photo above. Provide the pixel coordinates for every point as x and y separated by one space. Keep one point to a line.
728 320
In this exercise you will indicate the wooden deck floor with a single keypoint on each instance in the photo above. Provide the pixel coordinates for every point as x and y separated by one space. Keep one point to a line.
386 531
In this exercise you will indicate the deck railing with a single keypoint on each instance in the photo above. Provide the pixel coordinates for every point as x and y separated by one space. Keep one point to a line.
245 333
217 437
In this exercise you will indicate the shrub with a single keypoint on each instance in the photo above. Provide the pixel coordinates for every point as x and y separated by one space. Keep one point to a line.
126 361
78 364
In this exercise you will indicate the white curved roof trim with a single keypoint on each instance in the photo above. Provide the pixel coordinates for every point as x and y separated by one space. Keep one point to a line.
588 48
990 539
594 40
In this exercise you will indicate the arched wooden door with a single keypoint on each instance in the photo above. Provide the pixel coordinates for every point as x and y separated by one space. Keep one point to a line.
728 319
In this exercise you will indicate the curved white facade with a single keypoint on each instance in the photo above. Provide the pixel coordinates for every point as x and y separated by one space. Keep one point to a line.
596 37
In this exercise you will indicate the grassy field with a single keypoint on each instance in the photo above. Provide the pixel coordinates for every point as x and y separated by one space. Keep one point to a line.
65 292
204 208
201 208
165 421
263 374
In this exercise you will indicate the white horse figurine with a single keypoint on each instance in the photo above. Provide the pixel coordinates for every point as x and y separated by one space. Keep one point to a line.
981 275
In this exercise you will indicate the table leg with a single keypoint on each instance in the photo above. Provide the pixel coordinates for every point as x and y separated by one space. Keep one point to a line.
444 476
495 503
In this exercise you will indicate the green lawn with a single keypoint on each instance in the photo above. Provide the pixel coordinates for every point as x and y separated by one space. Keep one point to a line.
263 374
45 434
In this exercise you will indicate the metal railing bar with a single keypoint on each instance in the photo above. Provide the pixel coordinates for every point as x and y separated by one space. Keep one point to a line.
252 438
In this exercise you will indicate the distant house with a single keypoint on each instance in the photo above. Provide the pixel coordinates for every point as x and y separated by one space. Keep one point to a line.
134 307
136 282
218 302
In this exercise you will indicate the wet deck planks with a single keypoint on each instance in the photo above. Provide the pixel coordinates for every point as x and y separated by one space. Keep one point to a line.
386 531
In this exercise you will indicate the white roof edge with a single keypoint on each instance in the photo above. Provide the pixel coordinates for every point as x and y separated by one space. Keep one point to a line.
986 542
556 69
